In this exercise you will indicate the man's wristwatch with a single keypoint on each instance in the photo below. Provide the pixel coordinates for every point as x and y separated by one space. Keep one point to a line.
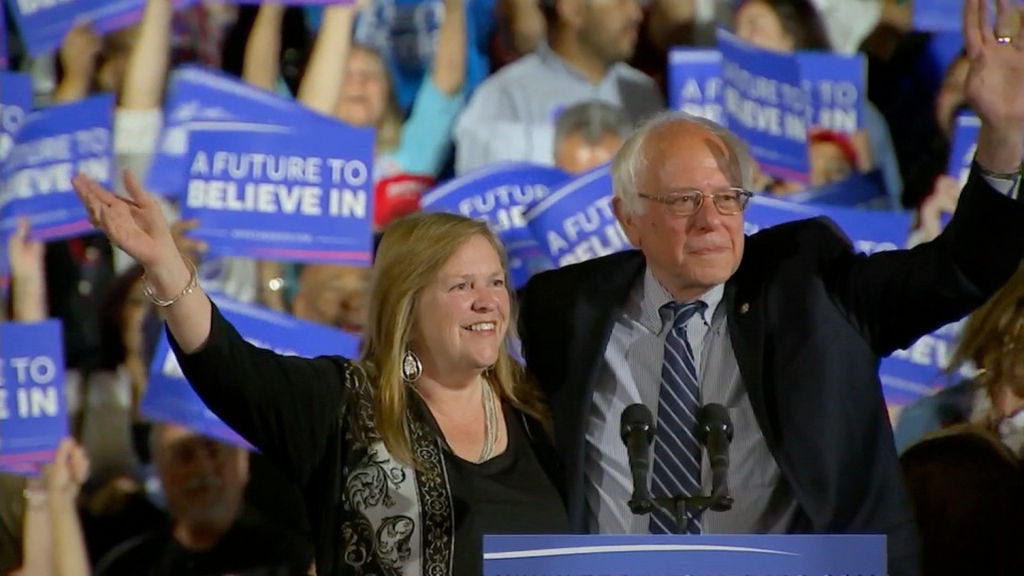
1011 176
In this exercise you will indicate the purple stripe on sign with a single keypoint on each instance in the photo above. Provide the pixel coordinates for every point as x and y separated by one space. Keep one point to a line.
27 457
63 230
785 173
312 254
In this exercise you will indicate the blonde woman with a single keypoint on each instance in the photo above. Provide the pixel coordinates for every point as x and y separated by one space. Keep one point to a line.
993 342
406 456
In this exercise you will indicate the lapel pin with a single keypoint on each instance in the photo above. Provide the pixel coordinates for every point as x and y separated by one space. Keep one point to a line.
744 308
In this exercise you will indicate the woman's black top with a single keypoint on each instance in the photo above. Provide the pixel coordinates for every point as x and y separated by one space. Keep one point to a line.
313 418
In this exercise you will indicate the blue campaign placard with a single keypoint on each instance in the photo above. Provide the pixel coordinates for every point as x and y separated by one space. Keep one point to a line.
695 83
53 145
936 15
858 190
15 104
201 100
647 555
500 196
42 24
3 38
961 151
576 222
920 369
33 417
870 231
943 15
303 196
766 106
836 86
168 396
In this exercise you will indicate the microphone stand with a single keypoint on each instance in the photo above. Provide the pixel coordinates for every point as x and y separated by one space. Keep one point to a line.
678 506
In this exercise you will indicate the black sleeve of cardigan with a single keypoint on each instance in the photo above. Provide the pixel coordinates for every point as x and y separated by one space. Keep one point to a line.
285 406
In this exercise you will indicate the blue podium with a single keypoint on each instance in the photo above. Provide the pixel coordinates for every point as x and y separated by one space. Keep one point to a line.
734 555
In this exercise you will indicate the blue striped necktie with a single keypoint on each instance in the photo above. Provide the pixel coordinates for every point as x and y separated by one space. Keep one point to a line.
677 455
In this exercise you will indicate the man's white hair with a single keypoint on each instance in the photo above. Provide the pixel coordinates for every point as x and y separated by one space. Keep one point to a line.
630 161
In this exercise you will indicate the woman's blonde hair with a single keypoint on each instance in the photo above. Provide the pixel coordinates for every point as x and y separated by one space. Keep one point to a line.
992 339
412 252
389 127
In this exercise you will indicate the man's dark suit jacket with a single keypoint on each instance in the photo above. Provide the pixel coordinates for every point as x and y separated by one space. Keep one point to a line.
809 320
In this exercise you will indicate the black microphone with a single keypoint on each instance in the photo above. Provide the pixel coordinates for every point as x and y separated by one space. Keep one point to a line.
714 431
637 431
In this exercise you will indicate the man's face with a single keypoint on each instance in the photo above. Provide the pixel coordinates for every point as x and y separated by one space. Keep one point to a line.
334 296
574 154
687 254
828 163
609 28
203 480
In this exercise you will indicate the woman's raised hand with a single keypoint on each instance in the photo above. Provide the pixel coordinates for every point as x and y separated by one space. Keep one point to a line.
24 255
135 224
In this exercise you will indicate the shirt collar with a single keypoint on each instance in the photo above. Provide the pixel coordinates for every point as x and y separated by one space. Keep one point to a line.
551 59
653 296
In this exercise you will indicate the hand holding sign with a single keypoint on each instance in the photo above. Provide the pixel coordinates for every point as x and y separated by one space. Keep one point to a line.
136 224
69 470
24 256
994 81
943 200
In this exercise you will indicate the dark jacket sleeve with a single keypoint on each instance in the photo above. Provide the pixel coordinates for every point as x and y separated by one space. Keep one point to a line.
284 405
896 297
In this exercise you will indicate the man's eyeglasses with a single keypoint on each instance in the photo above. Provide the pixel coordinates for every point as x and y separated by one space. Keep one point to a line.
687 202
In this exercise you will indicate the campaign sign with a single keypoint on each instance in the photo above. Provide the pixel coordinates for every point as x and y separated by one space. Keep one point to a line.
836 86
44 23
944 15
858 190
920 369
15 104
695 83
294 2
500 195
302 196
3 38
766 106
870 231
721 555
170 398
33 417
965 142
936 15
201 100
53 145
576 222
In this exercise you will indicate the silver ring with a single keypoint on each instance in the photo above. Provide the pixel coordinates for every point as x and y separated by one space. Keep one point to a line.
1004 40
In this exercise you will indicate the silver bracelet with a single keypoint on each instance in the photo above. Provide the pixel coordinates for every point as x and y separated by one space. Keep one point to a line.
193 283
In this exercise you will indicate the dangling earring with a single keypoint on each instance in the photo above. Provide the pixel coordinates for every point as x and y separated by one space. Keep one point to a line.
412 369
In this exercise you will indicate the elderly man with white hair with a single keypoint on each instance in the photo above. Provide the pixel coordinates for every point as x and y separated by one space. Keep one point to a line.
783 328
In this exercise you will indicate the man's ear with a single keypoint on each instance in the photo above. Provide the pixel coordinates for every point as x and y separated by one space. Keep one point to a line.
627 221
